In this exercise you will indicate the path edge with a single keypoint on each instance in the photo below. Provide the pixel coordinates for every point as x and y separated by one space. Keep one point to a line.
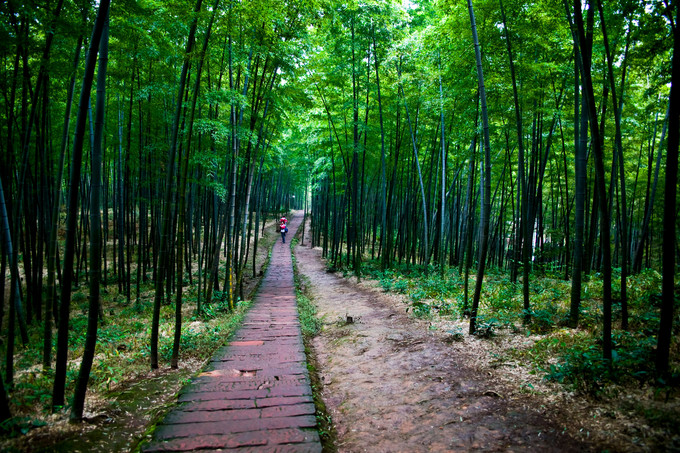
305 301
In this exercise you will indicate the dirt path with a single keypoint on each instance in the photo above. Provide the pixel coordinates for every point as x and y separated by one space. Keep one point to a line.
390 384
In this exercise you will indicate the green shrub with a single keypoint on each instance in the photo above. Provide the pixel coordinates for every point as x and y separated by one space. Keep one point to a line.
310 324
584 367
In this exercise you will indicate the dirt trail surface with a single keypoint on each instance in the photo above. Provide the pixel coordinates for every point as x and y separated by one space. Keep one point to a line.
255 394
392 385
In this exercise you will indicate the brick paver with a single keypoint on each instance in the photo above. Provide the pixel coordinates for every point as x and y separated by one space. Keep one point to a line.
255 394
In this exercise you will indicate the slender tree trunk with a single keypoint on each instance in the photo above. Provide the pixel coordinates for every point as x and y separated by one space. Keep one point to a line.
71 219
639 252
520 222
181 196
120 223
167 210
95 234
353 181
579 201
420 177
622 175
670 212
605 233
56 210
486 199
442 208
5 412
15 308
467 231
182 183
384 258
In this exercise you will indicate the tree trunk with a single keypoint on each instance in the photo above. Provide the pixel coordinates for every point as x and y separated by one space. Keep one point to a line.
15 308
520 224
167 211
605 233
53 247
442 206
383 181
622 175
420 177
579 201
637 260
670 213
95 224
486 183
71 219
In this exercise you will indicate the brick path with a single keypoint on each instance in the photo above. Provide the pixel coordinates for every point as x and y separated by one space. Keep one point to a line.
255 394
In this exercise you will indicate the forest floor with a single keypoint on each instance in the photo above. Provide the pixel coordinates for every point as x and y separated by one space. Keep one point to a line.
394 382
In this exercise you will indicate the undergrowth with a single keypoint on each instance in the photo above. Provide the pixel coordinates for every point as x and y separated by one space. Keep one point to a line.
122 351
311 325
121 362
572 357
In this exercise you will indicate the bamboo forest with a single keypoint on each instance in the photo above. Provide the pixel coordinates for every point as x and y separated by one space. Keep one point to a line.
482 204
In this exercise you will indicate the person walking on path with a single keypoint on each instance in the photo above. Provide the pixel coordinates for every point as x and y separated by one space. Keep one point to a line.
283 227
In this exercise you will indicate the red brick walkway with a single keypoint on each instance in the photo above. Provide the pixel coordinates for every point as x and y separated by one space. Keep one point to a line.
255 394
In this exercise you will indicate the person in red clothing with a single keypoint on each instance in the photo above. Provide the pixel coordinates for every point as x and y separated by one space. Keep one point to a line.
283 227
